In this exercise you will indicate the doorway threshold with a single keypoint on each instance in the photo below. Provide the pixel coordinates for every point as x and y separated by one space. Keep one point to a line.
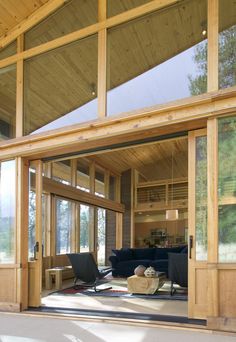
153 318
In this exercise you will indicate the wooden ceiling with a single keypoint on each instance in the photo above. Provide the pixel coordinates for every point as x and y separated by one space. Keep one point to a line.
152 161
12 12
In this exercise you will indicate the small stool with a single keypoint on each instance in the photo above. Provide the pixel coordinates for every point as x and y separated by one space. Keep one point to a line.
49 273
145 285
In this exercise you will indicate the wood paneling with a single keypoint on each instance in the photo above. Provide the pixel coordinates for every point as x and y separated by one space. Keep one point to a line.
227 292
8 285
153 161
13 14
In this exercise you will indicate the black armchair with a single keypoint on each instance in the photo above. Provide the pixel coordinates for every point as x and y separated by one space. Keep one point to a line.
178 270
86 270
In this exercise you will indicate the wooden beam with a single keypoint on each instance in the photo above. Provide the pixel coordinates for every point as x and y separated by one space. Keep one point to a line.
155 121
213 33
89 30
67 191
19 88
31 21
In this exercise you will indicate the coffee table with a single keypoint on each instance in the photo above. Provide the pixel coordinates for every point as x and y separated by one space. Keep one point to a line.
145 285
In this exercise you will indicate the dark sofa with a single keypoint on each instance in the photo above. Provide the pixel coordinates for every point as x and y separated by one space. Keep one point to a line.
125 260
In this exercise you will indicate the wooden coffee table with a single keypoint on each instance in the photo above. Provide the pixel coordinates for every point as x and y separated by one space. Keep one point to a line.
145 285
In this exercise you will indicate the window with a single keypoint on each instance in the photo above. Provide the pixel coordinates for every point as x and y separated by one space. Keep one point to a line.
63 226
201 198
227 189
60 86
144 69
74 15
8 102
7 211
227 43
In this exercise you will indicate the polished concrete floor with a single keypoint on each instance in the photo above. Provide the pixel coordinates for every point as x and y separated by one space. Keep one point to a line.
31 328
121 304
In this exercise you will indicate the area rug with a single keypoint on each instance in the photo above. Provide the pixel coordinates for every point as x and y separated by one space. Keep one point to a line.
119 289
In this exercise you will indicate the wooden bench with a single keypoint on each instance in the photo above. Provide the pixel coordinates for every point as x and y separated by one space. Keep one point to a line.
55 272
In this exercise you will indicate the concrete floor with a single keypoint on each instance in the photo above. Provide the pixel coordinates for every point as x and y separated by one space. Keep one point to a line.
120 304
28 328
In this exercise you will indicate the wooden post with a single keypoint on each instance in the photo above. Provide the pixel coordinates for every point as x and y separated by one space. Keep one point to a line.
19 88
102 60
213 30
212 178
22 231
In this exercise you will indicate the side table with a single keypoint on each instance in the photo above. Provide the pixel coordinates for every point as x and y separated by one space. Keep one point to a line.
145 285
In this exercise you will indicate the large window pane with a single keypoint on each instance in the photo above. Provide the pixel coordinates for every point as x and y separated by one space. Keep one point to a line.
73 16
63 226
61 171
61 87
87 228
101 237
82 175
201 198
7 211
145 69
227 189
115 7
7 102
8 50
32 221
227 44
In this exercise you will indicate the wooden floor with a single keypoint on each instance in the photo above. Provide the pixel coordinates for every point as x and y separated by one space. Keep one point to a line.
118 304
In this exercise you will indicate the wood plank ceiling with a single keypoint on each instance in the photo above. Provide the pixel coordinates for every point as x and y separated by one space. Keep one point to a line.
152 161
12 12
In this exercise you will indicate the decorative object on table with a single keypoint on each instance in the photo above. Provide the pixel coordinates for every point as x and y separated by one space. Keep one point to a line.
150 272
139 270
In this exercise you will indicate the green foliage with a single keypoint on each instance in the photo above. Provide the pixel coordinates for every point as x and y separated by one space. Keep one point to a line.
227 63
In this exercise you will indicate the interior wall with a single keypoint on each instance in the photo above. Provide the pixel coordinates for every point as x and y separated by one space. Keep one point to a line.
126 198
173 228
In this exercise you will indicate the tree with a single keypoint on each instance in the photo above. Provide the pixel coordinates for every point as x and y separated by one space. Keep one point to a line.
227 63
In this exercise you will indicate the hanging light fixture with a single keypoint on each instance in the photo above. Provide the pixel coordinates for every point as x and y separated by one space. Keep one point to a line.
172 214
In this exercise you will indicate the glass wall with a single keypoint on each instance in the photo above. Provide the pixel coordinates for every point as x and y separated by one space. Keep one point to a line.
8 102
227 43
85 230
101 236
63 226
144 69
83 175
7 211
60 87
61 171
227 189
115 7
99 183
73 16
8 51
201 198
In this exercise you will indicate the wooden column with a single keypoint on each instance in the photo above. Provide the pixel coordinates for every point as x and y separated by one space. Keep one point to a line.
22 196
19 88
75 227
212 178
102 60
213 30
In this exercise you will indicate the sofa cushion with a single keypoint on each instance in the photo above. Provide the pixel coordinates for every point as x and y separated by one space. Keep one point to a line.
123 254
162 253
126 268
160 265
143 253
